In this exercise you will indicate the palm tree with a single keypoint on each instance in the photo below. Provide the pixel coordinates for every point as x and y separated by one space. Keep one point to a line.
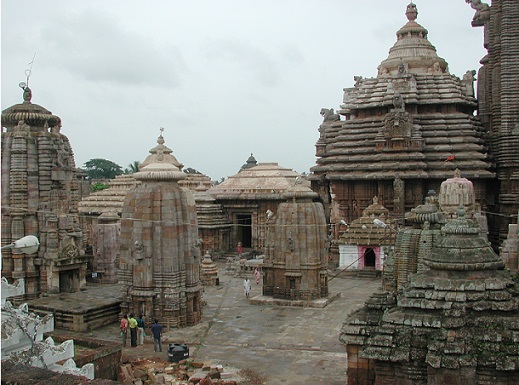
132 167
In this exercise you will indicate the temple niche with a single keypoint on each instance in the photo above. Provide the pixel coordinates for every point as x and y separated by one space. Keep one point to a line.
159 266
455 321
40 197
401 134
296 252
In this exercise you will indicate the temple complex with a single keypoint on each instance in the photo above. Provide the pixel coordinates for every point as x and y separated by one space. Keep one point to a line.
296 253
159 245
247 196
403 132
456 321
40 197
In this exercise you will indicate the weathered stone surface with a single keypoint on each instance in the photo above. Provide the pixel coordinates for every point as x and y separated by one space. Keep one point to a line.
40 194
159 245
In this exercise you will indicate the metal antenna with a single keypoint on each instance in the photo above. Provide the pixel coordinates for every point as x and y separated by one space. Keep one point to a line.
28 71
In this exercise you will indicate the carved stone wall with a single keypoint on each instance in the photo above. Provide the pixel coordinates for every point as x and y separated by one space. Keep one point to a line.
159 245
40 197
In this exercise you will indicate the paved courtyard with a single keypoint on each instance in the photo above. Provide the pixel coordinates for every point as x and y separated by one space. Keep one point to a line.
288 345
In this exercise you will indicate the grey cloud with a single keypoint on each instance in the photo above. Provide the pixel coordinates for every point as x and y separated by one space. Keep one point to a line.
95 47
266 67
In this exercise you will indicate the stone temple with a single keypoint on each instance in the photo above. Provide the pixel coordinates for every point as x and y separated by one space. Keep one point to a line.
159 246
456 321
40 195
296 251
403 133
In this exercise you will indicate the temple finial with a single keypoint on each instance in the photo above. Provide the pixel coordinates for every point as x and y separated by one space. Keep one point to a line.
411 12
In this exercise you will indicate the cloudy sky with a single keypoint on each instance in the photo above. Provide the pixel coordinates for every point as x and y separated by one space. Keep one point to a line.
225 78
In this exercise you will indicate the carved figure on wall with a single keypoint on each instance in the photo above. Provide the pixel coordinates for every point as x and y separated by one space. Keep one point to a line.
398 101
382 70
356 209
402 69
22 126
470 75
358 81
138 247
468 79
435 68
398 187
329 115
482 10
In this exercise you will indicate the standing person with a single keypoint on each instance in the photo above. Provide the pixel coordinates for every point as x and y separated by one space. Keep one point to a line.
240 249
246 287
140 330
132 323
123 325
257 274
156 329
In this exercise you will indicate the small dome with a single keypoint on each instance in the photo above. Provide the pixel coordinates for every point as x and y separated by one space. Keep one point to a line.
29 113
412 51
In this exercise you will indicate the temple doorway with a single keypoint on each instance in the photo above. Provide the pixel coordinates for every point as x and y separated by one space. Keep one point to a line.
369 259
245 229
69 281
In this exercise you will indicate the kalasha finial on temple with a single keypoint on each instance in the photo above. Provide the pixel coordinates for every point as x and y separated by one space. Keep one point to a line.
160 140
27 93
411 12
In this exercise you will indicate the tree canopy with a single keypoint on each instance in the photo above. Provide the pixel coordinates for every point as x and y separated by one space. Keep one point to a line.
102 169
132 167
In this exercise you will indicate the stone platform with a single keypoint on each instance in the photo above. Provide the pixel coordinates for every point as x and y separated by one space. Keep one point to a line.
317 303
89 309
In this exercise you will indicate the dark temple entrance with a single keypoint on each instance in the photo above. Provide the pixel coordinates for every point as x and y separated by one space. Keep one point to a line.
244 231
369 259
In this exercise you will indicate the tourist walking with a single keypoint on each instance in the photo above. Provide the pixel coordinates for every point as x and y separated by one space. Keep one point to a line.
123 325
156 330
132 323
240 249
140 330
257 274
246 287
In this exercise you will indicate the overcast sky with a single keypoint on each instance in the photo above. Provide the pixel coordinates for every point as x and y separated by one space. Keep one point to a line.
225 78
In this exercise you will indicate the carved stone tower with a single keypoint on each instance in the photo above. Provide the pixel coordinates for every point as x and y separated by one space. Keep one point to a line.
40 197
159 253
296 251
403 132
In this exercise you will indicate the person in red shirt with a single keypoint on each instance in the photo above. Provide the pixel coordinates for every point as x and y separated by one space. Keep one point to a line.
124 328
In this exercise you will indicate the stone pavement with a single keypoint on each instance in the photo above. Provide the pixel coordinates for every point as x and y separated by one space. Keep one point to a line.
288 345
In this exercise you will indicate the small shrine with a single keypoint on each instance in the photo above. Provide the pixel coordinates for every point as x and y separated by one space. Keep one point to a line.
363 243
209 271
296 252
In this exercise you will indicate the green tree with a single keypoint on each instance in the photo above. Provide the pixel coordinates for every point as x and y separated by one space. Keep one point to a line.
102 169
99 186
132 167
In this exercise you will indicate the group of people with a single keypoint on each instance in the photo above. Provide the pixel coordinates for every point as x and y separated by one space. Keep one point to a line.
137 331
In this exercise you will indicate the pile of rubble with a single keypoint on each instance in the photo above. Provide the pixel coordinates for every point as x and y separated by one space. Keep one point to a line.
185 372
